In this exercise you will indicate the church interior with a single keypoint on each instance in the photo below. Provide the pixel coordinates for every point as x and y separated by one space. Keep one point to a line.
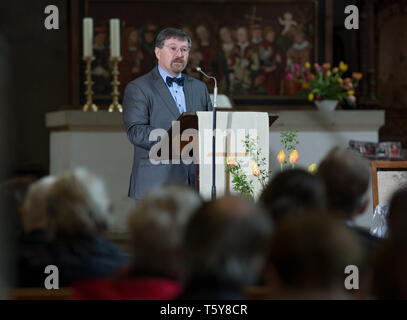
61 123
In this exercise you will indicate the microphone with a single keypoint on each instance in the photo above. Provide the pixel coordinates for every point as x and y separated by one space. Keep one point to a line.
215 89
215 93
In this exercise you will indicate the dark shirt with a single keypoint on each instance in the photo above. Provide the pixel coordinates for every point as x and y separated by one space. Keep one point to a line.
77 258
87 258
33 255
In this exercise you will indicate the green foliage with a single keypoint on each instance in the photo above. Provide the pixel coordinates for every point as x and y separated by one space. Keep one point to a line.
289 142
241 182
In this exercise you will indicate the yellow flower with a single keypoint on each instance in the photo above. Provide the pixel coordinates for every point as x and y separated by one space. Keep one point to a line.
307 65
343 66
255 169
312 168
311 97
293 158
328 73
281 157
351 92
340 80
335 70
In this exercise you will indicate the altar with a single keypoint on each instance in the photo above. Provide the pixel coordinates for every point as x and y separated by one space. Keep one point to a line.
98 142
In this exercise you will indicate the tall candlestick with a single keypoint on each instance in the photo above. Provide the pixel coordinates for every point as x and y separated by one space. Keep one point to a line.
115 85
87 37
114 38
89 105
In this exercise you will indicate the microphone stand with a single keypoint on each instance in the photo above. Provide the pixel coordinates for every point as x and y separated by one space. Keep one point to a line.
215 94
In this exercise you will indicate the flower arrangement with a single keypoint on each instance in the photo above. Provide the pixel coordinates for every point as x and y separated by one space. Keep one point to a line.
241 181
327 83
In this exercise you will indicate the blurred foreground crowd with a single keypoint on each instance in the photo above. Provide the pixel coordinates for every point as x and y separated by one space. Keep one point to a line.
296 242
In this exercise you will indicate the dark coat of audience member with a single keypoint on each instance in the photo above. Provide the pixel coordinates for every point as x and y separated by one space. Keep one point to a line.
226 245
157 227
308 257
34 251
293 191
397 216
390 265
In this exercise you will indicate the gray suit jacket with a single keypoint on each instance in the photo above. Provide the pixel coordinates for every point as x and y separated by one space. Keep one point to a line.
148 105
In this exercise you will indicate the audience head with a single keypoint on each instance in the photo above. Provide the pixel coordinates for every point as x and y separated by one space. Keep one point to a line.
78 204
293 191
346 176
308 257
390 281
157 225
227 239
397 217
35 207
390 265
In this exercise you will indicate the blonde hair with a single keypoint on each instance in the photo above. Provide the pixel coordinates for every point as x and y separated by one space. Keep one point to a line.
78 203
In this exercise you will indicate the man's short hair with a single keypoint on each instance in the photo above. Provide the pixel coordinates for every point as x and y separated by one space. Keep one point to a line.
293 191
228 239
346 176
169 33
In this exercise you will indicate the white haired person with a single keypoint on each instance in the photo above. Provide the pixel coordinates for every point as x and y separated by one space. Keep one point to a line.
157 226
78 216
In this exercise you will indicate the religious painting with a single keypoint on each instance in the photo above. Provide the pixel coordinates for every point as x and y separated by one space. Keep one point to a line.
249 46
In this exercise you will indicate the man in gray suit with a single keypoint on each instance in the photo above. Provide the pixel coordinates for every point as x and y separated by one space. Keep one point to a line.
153 101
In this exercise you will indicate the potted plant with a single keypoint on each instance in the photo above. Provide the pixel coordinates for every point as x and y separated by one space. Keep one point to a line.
327 86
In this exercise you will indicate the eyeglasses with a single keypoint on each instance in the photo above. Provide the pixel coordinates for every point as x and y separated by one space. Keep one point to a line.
175 50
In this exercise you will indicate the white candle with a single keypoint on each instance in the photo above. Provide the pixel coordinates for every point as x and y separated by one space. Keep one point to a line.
87 37
114 37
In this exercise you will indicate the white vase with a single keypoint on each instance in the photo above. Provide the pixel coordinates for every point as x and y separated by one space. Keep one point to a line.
326 105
